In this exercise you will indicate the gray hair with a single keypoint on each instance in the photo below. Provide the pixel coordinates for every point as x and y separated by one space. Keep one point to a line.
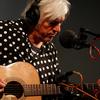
51 9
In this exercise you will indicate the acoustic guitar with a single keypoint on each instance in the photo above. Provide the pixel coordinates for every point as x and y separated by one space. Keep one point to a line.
23 83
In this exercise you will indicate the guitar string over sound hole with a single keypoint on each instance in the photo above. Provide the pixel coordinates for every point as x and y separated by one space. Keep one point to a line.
14 88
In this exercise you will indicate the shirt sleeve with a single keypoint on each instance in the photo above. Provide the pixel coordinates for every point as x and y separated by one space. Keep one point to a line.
11 35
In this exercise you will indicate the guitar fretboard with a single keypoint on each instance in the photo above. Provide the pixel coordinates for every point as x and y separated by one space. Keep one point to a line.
41 89
50 89
91 86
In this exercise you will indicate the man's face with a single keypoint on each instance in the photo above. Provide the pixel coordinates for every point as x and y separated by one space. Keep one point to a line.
48 29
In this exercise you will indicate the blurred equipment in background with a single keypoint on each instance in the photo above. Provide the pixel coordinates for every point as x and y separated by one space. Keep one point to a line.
78 91
97 90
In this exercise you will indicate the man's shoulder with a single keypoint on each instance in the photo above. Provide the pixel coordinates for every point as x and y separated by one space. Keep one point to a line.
11 28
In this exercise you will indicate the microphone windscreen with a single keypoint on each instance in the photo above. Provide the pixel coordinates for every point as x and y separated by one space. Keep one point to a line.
68 38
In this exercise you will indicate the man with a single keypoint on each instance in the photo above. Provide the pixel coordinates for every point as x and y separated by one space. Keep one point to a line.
30 39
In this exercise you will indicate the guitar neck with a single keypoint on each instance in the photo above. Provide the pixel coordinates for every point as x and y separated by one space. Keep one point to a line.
50 89
41 89
91 86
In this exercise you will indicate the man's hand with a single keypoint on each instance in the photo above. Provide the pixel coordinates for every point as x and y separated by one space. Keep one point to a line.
2 84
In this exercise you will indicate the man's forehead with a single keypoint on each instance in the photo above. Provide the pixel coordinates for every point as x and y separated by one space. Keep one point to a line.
60 19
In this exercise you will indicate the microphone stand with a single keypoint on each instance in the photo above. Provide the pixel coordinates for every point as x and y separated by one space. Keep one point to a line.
88 31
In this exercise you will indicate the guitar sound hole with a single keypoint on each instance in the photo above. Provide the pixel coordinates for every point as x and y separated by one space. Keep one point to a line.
14 88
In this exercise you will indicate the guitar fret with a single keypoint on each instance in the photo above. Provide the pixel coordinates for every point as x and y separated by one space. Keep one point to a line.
58 89
35 89
48 89
38 89
43 89
54 88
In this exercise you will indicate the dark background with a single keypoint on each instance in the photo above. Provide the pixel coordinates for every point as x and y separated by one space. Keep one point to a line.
84 13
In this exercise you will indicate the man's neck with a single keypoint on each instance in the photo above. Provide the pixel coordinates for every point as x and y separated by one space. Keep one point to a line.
38 45
34 41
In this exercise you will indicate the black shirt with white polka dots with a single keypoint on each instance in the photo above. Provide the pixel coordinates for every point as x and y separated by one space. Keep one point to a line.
14 46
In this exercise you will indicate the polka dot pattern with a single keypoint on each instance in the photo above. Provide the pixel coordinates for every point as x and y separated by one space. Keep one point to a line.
14 46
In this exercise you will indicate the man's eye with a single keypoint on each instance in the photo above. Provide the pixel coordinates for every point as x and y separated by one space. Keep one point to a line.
53 23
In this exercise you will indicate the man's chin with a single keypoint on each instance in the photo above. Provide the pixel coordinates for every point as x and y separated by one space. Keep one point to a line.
48 40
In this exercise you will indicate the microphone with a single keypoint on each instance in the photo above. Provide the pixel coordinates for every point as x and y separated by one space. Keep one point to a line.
70 39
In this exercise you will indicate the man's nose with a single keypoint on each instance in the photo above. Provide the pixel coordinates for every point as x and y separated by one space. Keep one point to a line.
57 28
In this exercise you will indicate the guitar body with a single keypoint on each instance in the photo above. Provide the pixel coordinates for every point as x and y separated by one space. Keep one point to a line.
23 73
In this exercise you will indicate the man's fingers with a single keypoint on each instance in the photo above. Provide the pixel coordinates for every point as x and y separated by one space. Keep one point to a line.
2 83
